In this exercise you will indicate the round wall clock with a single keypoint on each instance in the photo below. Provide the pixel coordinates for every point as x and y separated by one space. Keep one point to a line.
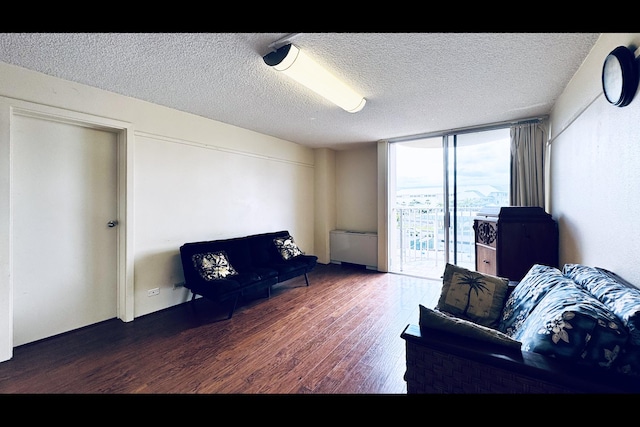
620 76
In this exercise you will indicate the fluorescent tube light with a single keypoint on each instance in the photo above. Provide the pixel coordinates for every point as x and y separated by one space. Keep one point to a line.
294 63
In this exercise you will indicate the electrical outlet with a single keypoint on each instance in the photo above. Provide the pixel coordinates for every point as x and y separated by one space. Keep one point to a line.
153 292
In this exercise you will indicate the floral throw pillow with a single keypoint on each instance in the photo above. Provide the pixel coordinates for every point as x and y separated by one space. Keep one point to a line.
287 247
570 323
472 295
538 281
622 298
213 265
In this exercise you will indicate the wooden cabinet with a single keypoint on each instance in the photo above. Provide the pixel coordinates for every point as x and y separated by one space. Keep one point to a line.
509 240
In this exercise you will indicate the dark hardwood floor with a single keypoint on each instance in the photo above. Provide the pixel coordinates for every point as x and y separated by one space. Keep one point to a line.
340 335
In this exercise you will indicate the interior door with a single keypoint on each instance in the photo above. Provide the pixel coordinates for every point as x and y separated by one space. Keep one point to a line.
64 207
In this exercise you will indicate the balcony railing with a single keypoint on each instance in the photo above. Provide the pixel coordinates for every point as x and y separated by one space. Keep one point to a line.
419 241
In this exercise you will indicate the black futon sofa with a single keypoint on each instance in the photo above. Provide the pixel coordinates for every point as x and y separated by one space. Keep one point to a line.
225 270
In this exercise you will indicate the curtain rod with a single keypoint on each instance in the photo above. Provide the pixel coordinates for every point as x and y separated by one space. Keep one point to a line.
492 126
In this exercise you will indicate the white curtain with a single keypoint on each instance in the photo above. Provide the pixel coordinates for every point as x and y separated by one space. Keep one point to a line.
527 165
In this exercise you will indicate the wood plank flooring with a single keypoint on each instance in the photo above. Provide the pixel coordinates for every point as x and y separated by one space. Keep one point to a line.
340 335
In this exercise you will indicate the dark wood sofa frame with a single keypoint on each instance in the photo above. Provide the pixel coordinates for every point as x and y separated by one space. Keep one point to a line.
438 362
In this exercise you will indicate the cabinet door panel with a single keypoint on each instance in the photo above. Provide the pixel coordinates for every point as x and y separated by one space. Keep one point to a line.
486 260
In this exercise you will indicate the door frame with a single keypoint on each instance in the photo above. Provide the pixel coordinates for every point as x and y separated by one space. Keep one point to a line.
10 108
450 144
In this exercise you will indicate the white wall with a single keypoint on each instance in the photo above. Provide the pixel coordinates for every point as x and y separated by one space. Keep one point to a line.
357 189
193 179
594 173
325 202
187 192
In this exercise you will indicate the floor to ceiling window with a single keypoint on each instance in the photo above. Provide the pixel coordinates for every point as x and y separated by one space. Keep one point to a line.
437 186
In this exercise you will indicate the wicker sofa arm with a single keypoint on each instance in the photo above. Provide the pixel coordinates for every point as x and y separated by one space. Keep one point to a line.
439 362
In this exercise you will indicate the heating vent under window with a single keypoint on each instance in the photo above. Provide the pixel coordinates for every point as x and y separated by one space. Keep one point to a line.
354 247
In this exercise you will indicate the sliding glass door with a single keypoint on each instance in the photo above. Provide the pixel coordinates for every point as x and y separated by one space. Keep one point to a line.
437 186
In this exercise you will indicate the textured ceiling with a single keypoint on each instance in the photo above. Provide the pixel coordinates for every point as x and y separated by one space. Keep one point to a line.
414 83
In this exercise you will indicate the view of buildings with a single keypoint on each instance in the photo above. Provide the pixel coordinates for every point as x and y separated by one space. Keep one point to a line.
418 239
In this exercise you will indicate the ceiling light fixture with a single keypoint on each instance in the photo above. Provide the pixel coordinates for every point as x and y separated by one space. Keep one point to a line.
296 64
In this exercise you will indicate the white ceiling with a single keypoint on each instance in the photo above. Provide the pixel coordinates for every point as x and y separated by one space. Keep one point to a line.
414 83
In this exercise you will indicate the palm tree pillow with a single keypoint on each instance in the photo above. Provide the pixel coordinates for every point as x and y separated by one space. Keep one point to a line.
472 295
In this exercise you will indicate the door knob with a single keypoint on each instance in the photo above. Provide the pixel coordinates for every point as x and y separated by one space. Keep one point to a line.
113 223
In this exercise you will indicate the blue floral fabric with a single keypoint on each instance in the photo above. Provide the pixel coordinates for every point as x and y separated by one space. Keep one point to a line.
629 360
622 299
539 280
569 323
